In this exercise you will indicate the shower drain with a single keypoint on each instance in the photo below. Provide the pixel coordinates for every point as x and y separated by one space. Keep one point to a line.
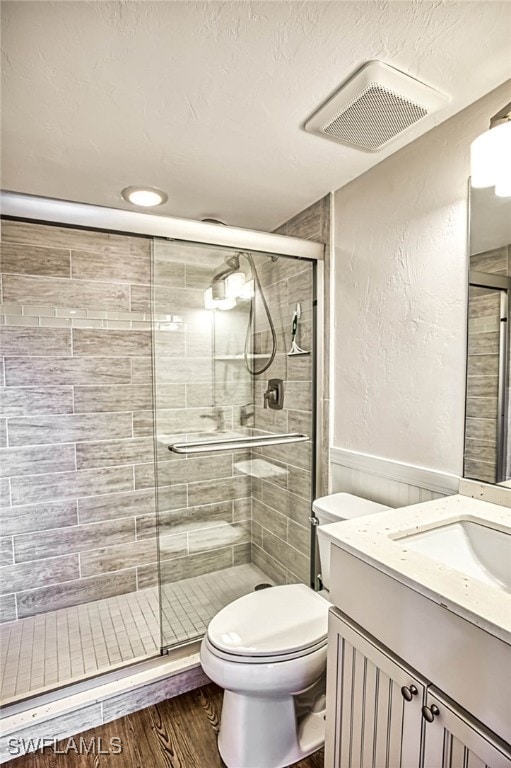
261 586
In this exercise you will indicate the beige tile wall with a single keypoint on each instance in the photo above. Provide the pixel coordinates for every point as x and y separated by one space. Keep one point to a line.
75 401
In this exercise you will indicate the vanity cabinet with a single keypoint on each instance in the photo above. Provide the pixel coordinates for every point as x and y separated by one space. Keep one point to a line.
383 714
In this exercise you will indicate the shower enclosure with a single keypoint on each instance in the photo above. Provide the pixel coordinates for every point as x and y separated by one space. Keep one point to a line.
234 472
159 456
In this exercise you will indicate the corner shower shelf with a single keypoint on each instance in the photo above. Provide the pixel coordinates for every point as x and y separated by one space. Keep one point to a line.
234 443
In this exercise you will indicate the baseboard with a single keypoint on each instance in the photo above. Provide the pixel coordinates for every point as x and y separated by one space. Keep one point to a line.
419 477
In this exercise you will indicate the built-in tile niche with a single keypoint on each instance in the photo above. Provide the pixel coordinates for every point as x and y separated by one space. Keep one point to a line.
77 523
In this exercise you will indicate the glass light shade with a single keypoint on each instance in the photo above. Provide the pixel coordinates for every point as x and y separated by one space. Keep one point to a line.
488 153
234 285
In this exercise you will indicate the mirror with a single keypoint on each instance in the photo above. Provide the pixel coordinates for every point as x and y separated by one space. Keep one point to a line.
487 421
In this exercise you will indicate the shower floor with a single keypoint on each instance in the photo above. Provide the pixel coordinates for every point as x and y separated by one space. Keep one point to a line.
64 646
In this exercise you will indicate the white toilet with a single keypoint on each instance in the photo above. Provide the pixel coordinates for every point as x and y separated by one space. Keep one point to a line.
268 651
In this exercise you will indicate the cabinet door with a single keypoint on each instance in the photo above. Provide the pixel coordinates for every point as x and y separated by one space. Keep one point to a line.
453 740
370 723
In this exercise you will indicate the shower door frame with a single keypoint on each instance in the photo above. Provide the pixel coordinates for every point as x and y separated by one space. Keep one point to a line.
32 208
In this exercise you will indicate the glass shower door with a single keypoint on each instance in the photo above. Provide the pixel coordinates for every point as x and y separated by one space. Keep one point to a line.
233 512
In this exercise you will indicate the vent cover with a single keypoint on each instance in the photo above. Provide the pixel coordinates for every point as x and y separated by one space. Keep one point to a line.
374 107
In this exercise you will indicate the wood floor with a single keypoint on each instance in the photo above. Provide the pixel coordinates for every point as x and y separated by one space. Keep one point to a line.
178 733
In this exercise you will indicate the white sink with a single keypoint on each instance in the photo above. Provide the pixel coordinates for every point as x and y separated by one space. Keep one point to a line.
478 551
433 583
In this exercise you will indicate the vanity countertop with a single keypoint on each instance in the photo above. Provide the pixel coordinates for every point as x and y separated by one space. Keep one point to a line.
375 539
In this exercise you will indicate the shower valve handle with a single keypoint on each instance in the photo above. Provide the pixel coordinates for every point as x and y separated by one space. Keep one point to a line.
274 395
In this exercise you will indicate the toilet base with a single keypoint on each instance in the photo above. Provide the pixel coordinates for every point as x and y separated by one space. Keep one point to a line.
263 732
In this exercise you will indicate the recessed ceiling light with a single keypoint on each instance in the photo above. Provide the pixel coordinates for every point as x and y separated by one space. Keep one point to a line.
147 197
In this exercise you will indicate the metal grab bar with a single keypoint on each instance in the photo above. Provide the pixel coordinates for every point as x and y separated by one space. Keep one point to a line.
233 443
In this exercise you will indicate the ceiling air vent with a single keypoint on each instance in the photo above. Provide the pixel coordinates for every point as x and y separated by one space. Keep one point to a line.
374 107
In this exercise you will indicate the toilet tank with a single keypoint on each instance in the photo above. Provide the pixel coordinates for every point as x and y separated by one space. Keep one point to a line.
334 509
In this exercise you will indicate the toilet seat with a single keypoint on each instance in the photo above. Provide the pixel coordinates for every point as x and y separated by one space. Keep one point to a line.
239 659
276 624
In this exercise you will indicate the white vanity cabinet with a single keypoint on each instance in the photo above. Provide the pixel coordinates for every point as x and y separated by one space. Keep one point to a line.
378 712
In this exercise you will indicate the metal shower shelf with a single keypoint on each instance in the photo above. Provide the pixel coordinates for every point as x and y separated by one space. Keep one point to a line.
233 443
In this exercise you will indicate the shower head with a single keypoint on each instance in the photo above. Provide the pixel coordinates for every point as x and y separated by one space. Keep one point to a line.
219 281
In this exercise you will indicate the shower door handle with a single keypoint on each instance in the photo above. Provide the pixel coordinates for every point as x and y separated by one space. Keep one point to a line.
237 443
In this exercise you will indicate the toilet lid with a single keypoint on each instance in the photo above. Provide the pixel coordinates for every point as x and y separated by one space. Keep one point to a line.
271 622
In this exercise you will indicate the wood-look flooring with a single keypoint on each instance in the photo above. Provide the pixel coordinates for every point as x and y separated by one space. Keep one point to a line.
177 733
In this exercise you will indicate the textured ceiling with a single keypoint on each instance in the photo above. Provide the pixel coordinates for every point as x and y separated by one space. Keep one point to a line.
207 100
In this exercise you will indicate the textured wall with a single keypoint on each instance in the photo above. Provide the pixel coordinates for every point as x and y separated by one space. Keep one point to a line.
400 287
76 522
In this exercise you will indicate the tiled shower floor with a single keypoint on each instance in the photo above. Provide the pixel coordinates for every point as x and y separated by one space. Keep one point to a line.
63 646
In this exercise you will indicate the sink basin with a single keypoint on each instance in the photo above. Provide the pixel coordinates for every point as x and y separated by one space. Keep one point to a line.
478 551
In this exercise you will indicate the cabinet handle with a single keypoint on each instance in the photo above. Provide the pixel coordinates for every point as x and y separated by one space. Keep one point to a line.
409 692
429 713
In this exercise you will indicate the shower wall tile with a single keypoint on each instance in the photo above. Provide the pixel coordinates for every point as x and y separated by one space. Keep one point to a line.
51 598
50 570
172 497
32 260
101 343
6 553
141 370
190 519
183 370
3 433
117 505
111 453
36 459
269 565
128 397
195 469
68 397
69 428
37 371
172 344
36 341
210 538
5 493
26 401
76 538
7 608
50 236
196 564
65 485
270 519
169 272
37 517
141 299
143 423
118 557
65 293
86 265
218 490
